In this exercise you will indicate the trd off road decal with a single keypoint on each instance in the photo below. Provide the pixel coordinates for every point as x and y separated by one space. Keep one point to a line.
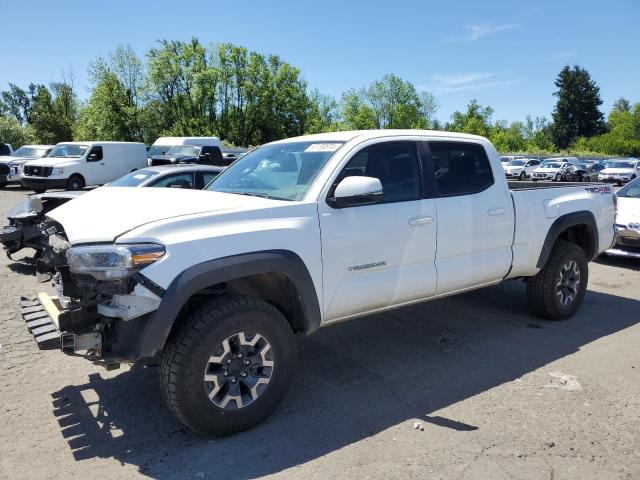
366 266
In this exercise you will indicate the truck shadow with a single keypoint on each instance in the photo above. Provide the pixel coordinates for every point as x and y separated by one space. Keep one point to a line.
353 380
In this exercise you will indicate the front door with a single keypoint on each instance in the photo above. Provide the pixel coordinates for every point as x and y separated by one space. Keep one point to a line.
380 255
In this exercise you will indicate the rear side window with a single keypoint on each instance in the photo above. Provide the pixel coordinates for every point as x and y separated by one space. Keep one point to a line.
460 168
394 164
207 177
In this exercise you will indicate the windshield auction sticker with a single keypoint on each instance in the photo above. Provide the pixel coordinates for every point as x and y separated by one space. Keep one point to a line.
323 147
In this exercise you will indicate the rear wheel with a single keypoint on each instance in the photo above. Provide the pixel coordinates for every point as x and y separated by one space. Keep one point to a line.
229 366
557 291
75 182
39 190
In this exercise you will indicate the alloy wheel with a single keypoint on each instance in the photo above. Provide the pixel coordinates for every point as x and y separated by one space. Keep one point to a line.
238 370
568 282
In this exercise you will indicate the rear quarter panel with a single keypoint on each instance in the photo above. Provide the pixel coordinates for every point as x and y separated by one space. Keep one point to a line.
537 209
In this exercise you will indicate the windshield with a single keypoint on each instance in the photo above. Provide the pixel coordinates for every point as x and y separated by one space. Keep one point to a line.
184 150
621 164
157 150
68 151
282 171
630 190
29 152
134 179
505 159
516 163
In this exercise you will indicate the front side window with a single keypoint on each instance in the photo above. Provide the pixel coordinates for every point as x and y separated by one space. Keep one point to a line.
460 168
394 164
281 171
179 180
95 154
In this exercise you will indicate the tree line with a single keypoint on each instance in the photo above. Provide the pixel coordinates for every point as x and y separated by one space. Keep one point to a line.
248 98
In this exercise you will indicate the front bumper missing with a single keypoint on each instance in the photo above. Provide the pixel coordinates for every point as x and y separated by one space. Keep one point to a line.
41 315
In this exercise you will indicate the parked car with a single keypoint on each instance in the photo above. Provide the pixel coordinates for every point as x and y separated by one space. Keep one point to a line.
571 160
628 221
204 150
620 171
584 172
550 171
5 149
27 219
163 144
505 159
521 168
74 165
10 166
215 284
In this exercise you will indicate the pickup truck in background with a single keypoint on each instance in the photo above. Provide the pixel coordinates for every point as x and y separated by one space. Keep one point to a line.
214 285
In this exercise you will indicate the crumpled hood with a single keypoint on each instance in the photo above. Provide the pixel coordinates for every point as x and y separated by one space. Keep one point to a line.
105 213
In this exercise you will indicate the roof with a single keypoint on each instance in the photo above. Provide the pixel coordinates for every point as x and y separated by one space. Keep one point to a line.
368 134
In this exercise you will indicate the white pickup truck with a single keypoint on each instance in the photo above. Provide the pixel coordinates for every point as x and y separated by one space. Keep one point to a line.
299 234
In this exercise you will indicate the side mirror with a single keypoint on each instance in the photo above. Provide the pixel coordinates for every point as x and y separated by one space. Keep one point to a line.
356 191
92 157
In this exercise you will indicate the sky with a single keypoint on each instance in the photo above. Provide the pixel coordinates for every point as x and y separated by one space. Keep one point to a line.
505 54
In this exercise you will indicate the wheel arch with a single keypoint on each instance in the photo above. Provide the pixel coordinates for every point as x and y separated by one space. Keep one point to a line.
576 227
279 277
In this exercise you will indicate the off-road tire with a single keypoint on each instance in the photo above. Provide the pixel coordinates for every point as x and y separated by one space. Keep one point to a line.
187 354
75 183
542 289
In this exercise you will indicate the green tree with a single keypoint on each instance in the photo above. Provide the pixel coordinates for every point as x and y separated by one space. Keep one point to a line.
14 133
50 120
576 113
16 102
388 103
476 120
322 113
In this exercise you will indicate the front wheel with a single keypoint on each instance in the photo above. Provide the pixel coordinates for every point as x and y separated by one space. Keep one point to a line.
75 182
557 291
522 175
229 366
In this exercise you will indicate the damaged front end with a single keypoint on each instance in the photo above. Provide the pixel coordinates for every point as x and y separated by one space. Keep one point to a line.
102 302
30 228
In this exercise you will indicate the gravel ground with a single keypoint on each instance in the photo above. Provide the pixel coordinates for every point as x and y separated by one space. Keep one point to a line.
497 394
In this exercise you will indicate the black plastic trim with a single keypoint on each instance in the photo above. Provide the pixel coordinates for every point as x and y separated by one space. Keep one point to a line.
582 217
213 272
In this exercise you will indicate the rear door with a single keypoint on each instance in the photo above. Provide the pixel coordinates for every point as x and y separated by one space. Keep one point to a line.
475 216
380 255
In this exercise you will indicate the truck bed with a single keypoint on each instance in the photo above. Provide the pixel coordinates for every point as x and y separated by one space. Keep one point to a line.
529 185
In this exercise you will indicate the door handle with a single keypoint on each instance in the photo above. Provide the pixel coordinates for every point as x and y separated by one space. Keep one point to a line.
420 221
494 212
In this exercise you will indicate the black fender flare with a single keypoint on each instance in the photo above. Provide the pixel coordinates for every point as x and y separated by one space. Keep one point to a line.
206 274
583 217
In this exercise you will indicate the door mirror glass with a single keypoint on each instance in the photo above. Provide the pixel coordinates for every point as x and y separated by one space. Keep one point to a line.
355 191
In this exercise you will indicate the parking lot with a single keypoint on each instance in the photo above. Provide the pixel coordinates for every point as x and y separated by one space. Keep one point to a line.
493 391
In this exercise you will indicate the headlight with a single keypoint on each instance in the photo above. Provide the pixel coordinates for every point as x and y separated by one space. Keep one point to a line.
112 262
57 171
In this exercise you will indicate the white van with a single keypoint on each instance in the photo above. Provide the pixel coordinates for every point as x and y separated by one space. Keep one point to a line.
74 165
163 144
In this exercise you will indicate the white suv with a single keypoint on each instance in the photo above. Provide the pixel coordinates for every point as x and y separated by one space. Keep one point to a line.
521 168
